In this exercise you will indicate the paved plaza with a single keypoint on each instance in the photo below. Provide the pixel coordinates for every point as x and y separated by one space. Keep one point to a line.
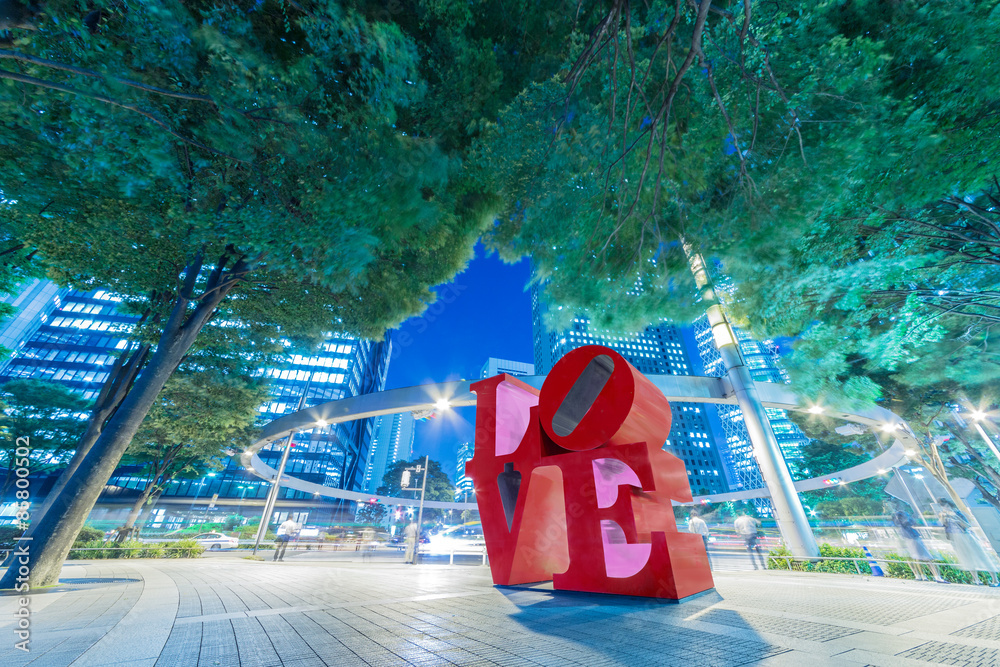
306 612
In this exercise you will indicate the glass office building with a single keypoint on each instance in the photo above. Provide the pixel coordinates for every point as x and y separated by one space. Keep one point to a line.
72 337
465 489
393 442
761 357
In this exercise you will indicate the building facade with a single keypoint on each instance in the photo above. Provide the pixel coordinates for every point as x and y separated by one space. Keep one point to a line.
393 442
494 366
73 337
761 358
32 299
464 487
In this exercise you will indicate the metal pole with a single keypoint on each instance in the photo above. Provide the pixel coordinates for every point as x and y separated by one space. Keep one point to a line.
196 494
788 512
987 440
913 501
272 494
420 513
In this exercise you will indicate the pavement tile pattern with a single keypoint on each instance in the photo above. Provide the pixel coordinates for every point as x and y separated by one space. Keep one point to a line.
229 612
954 654
988 629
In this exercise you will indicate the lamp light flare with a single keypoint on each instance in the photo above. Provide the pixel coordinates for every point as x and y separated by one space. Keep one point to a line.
817 409
978 415
442 404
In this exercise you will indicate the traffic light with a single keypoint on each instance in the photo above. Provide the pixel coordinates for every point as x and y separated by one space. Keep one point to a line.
405 482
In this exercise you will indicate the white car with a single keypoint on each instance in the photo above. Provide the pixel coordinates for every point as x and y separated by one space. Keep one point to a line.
216 541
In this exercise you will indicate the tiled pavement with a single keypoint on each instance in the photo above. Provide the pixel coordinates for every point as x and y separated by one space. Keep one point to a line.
231 612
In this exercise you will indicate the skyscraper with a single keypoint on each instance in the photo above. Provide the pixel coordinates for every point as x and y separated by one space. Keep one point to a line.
661 349
72 337
761 358
494 366
393 442
67 336
464 485
34 297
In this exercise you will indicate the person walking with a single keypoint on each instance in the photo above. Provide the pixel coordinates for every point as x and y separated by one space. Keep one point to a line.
970 554
698 526
748 528
410 535
286 532
915 546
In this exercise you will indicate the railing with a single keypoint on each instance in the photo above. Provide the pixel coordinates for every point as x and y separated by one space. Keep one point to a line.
872 561
467 551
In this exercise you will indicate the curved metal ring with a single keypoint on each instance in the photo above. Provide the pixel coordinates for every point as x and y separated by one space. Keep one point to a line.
677 388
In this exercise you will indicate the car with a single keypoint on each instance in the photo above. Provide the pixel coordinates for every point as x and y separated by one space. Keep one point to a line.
216 541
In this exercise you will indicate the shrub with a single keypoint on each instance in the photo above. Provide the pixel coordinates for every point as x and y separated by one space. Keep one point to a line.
8 536
839 566
252 557
90 534
126 549
153 550
92 550
184 549
232 522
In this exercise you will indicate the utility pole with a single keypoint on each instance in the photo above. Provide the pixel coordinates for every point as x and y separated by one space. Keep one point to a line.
791 517
272 495
423 488
420 513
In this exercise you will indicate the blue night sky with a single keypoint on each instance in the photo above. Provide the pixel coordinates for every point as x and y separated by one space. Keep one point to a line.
485 312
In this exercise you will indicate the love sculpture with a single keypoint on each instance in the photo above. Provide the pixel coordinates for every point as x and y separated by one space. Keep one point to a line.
573 485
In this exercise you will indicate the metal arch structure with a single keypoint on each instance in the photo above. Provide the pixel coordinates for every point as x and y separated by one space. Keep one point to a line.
677 388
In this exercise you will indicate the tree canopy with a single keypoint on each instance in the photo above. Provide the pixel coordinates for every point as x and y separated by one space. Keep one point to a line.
743 130
47 414
439 487
248 163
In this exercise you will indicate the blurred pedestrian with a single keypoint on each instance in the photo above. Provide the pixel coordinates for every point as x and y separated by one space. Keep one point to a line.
286 533
698 526
748 529
970 553
410 535
915 546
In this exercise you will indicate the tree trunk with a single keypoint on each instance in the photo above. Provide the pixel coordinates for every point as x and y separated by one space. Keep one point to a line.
112 394
55 532
935 465
144 517
987 496
138 504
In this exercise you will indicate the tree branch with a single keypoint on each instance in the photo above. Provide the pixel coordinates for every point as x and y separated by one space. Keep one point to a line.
52 64
41 83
